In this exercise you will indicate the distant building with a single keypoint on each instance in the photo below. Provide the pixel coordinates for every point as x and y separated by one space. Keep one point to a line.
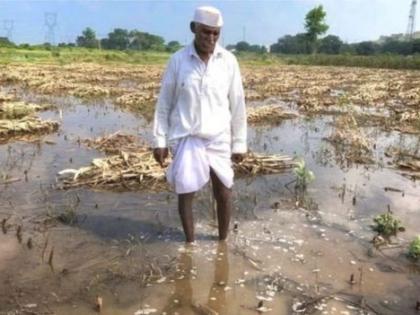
400 36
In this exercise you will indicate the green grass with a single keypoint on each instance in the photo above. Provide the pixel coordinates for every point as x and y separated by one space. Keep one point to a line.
375 61
70 55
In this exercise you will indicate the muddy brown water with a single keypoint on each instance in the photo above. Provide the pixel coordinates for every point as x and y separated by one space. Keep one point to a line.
127 247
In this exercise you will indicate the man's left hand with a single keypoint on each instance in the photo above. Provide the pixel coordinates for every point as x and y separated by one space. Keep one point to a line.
237 157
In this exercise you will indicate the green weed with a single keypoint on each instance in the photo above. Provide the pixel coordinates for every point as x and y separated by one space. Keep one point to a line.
304 176
386 225
414 248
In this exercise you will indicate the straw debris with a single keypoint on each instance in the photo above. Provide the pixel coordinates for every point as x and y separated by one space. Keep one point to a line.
349 141
313 89
17 119
17 110
268 114
411 165
126 170
261 164
6 97
137 169
115 143
26 125
405 160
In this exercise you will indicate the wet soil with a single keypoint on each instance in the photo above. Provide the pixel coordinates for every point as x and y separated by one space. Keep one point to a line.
308 254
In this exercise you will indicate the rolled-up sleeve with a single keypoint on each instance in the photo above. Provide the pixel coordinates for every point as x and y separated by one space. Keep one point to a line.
238 111
164 106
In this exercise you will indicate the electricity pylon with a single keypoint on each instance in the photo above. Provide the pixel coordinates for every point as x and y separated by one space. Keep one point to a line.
8 27
411 20
50 23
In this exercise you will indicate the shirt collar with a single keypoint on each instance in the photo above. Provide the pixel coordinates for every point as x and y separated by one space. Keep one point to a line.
218 51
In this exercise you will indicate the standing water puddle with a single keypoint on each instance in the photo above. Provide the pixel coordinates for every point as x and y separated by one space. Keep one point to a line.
127 247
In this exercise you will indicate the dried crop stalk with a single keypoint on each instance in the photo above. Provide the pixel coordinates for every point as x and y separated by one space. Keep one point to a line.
26 125
268 114
138 170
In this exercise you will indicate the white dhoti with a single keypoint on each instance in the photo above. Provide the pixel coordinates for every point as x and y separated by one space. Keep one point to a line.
193 157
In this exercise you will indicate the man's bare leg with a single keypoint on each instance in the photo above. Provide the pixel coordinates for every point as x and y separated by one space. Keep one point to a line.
223 197
185 202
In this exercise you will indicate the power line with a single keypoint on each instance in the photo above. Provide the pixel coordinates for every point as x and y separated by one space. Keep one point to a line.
50 23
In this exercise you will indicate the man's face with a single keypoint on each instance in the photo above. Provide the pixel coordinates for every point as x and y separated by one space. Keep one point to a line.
206 37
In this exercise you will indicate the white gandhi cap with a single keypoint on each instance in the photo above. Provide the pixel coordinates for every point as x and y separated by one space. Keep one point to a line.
209 16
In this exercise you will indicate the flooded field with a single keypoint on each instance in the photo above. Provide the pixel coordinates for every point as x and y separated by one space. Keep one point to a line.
291 250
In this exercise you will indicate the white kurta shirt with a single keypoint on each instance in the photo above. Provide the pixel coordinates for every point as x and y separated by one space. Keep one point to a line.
201 100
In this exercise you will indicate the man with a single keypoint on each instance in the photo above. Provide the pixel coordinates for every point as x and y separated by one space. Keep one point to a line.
200 114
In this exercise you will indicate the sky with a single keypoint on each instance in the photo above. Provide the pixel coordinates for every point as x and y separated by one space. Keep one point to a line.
259 22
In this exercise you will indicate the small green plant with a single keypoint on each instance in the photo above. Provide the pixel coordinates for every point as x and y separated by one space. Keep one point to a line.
303 175
386 225
414 248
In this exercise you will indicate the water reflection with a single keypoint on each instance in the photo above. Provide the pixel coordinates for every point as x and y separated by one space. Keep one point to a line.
184 301
217 294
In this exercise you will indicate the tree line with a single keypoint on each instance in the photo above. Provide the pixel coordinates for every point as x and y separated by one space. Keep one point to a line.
118 39
333 45
122 39
309 42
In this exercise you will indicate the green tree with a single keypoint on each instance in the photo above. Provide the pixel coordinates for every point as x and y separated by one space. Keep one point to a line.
230 47
330 44
145 41
173 46
315 25
366 48
289 44
397 47
415 47
348 49
243 46
258 49
87 39
5 42
25 46
118 39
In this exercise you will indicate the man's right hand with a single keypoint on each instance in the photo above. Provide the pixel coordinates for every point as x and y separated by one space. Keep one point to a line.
160 155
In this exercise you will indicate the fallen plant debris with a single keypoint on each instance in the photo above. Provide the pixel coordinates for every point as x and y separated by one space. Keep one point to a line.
349 141
268 114
133 87
17 119
408 162
17 110
312 88
354 145
115 143
129 170
139 170
6 97
142 101
263 164
412 166
26 125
